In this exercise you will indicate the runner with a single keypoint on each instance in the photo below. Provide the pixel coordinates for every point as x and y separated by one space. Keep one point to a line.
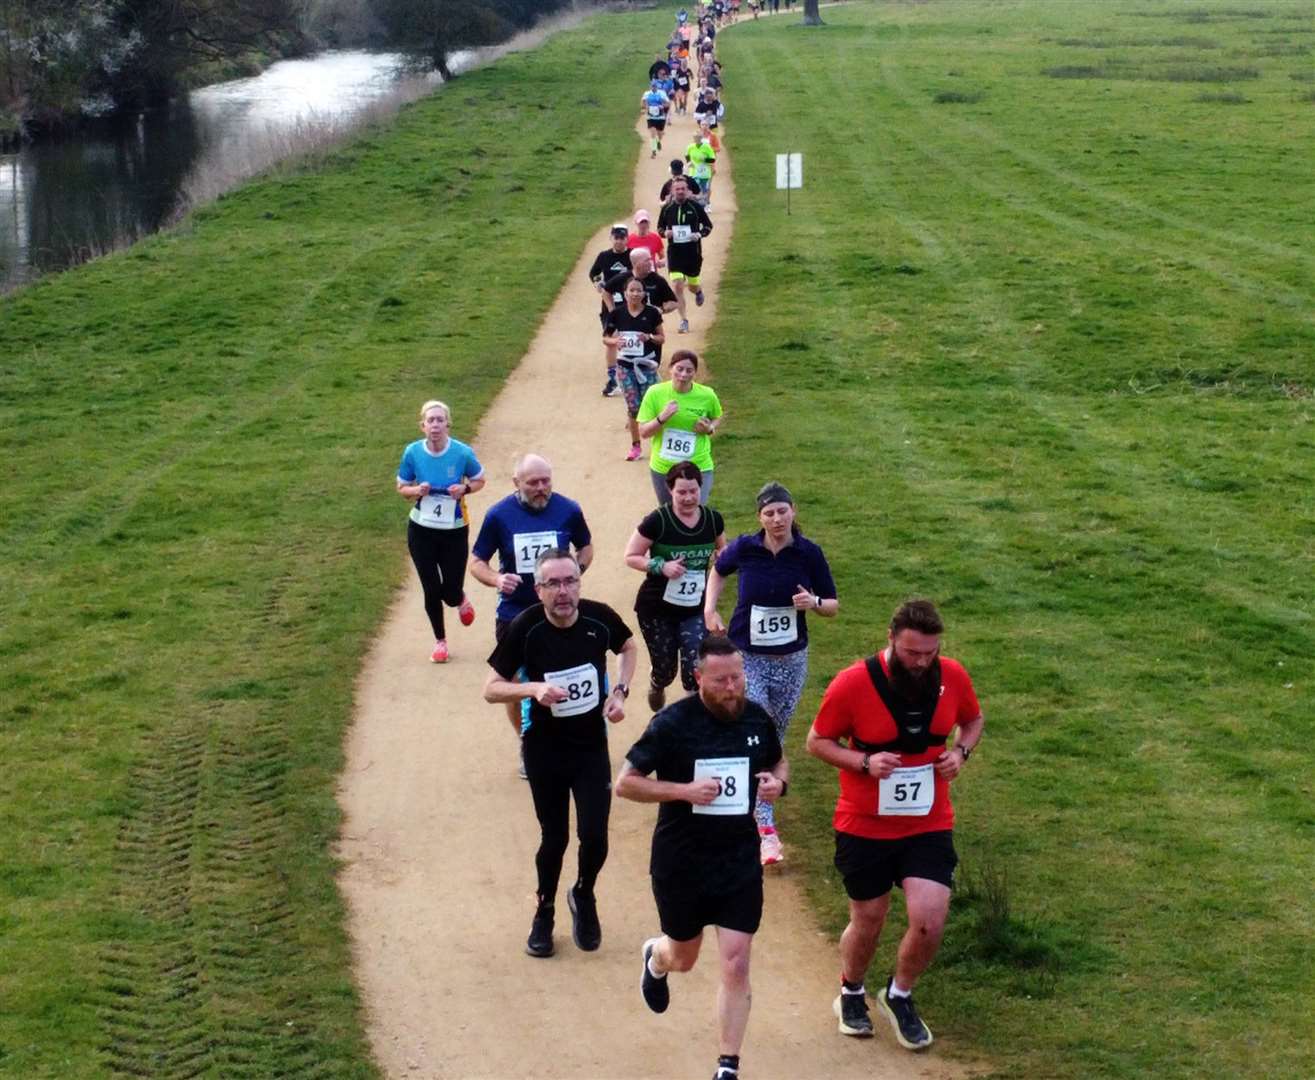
658 67
608 263
437 473
684 224
634 329
894 821
655 104
677 169
562 644
518 528
708 111
673 547
783 574
656 288
645 237
702 160
681 77
680 417
712 753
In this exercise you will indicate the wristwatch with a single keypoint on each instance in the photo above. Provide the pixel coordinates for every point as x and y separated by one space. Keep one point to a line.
625 690
964 750
867 758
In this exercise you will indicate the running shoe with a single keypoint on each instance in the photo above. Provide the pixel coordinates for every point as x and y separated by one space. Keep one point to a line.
611 389
910 1031
439 655
657 697
698 297
585 930
466 612
769 847
684 327
852 1012
725 1072
657 995
539 943
635 452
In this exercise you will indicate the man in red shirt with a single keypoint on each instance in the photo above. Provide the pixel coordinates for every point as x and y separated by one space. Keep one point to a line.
894 819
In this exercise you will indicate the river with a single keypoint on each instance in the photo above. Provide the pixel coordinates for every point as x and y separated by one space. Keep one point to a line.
64 197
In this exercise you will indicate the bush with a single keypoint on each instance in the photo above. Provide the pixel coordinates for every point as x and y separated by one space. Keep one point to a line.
958 97
1228 98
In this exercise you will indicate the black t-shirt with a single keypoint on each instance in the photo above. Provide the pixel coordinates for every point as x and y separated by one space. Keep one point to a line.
671 538
695 188
682 80
632 350
576 659
705 846
687 213
608 264
657 291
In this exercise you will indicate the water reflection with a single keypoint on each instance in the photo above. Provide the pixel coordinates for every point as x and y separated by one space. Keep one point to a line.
65 198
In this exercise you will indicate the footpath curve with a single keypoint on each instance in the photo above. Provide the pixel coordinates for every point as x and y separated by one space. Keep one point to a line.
439 833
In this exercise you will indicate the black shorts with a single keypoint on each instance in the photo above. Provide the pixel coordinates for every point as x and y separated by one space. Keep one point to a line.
686 905
871 867
657 123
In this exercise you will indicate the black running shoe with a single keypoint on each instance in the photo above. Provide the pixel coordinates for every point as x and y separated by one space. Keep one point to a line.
910 1031
539 943
585 931
725 1072
610 388
657 697
852 1012
657 995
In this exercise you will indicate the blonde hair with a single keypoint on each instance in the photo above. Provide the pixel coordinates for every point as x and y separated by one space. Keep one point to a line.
434 403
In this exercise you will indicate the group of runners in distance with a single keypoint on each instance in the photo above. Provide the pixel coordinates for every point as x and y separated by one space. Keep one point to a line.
713 758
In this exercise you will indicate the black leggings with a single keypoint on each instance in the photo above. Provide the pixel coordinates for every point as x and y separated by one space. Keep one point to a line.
555 774
440 560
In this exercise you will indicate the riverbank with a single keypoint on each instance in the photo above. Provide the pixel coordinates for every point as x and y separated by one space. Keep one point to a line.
181 649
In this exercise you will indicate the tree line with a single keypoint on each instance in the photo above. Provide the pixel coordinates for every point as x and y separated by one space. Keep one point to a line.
61 60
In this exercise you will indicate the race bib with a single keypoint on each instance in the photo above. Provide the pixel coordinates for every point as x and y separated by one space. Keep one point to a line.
631 343
656 112
773 625
681 234
906 792
438 511
686 590
732 776
677 445
581 686
529 546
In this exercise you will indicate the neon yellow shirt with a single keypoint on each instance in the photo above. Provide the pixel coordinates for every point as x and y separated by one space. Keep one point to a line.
700 158
676 440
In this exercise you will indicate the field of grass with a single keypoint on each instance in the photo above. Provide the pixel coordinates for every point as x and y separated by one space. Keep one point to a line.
200 534
1042 348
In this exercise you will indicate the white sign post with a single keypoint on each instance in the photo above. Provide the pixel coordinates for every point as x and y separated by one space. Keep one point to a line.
789 174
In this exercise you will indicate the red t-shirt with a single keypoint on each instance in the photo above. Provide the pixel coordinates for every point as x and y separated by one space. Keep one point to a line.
850 707
650 240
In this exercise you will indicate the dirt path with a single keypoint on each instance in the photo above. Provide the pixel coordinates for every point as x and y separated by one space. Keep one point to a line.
439 839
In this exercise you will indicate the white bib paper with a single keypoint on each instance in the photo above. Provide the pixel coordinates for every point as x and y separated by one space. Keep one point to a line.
677 445
907 792
529 546
773 625
732 776
656 112
581 686
438 511
681 234
630 343
686 590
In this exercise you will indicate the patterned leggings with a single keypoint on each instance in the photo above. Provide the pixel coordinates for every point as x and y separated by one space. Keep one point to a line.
668 639
775 683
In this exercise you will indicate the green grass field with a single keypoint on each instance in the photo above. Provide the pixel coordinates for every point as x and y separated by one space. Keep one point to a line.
1036 341
200 535
1041 347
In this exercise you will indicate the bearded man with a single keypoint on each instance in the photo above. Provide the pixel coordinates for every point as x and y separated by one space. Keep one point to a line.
713 753
894 821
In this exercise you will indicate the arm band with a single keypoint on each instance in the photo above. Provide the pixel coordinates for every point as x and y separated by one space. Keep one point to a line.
655 565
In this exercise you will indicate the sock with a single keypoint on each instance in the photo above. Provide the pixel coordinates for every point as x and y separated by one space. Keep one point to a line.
847 987
729 1061
894 991
655 974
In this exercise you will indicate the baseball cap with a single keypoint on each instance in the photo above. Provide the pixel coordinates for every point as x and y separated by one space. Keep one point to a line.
641 215
620 229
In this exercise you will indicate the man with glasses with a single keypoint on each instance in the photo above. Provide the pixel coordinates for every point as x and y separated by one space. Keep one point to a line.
562 644
894 819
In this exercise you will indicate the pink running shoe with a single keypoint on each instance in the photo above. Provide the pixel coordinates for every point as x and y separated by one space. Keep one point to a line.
769 847
439 655
635 452
466 612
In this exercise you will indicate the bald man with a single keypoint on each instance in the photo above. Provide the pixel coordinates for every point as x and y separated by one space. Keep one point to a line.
519 528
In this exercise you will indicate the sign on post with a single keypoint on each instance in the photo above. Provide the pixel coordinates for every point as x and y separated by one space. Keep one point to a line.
789 174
